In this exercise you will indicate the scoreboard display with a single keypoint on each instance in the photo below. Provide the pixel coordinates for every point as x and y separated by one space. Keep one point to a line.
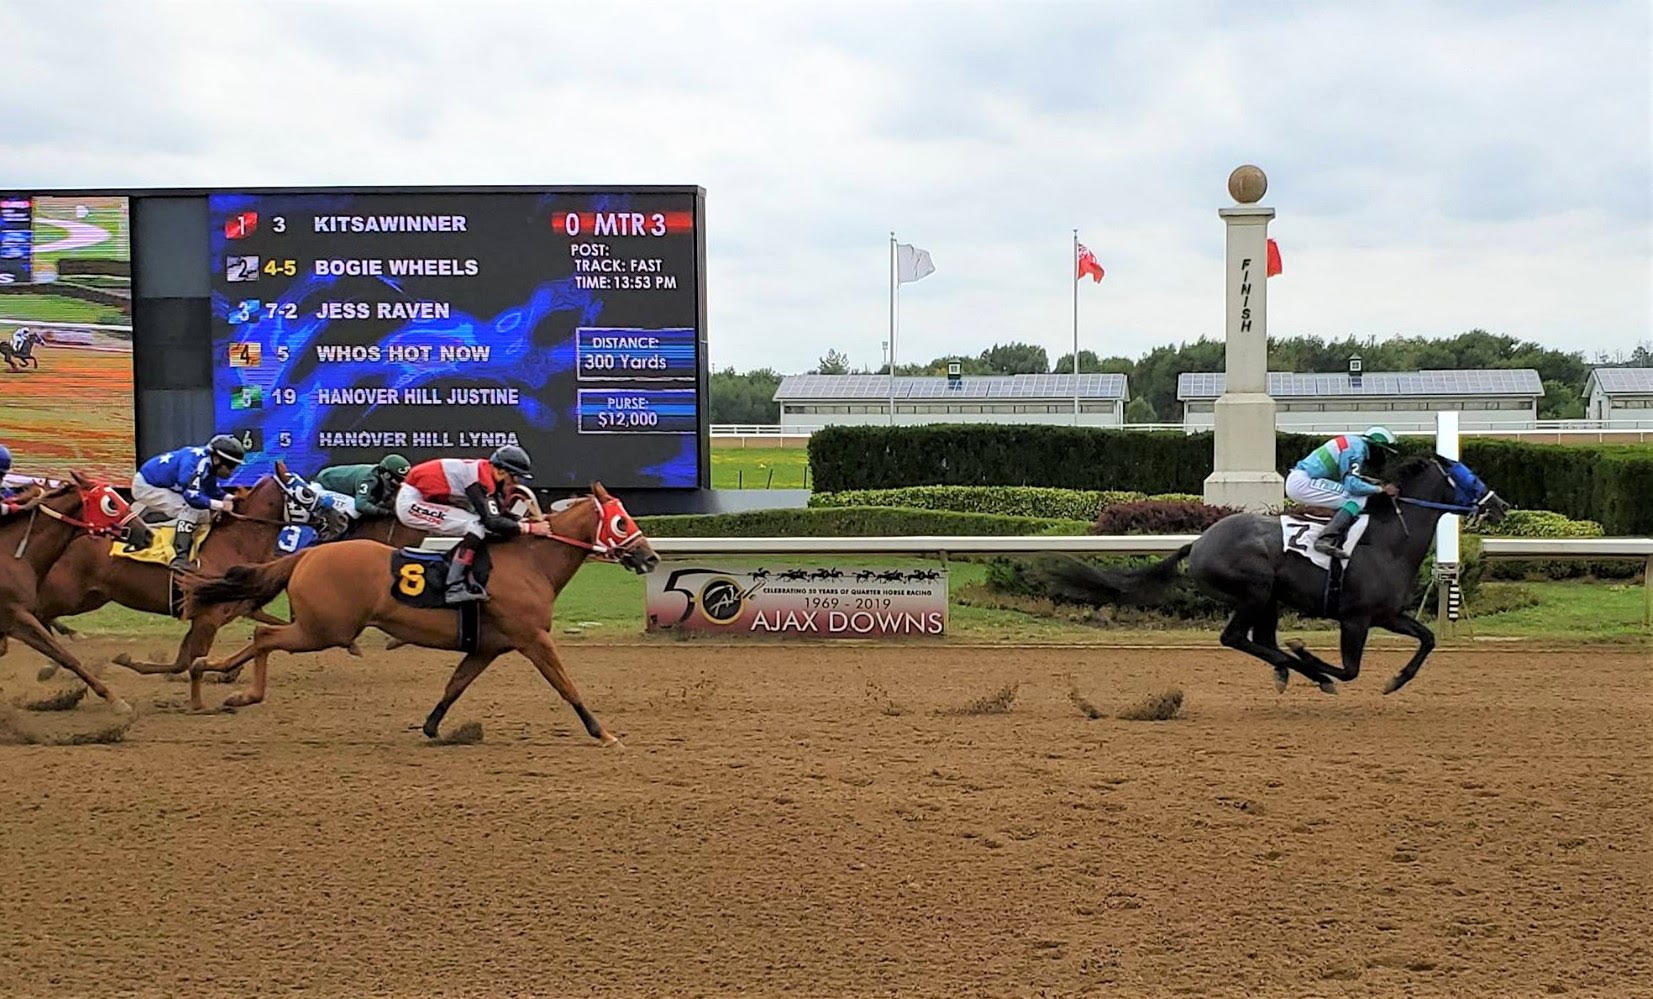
349 325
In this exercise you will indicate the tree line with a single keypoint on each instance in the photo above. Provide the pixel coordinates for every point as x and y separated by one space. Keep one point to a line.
748 397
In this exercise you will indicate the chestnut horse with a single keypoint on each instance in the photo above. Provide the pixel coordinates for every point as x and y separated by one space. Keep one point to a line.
87 576
339 589
36 537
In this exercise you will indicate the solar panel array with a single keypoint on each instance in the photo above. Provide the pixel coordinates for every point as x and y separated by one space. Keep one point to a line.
836 387
1287 384
1627 381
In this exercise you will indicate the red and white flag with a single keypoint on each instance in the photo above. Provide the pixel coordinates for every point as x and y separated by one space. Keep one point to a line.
1273 258
1088 264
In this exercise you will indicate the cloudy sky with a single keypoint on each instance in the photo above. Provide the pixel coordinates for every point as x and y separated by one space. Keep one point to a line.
1434 166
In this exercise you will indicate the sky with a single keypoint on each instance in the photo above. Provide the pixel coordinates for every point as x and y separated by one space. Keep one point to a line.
1434 167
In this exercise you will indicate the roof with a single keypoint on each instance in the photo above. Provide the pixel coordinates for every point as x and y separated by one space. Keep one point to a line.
834 387
1289 384
1624 381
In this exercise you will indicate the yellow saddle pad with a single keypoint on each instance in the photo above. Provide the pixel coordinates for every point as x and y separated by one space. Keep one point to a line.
160 547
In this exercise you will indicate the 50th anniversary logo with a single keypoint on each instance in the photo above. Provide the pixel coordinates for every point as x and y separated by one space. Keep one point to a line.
815 601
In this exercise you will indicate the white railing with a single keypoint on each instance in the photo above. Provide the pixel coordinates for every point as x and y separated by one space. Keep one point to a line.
1562 428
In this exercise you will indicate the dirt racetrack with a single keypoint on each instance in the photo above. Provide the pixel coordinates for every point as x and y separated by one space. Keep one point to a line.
825 822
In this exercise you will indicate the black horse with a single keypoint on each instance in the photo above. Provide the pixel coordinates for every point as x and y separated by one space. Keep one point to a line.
1242 561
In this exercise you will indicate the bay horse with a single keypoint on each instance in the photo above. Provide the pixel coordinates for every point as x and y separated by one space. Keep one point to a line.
339 589
36 537
87 576
1242 561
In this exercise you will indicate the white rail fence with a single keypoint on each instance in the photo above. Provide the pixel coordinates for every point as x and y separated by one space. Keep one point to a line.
1108 544
1575 430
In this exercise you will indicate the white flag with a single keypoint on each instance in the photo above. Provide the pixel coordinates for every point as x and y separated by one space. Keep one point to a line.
911 263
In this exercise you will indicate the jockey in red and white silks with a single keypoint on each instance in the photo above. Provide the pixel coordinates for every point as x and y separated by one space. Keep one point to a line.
462 498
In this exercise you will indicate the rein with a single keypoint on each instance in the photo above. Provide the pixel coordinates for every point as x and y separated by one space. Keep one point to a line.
1448 507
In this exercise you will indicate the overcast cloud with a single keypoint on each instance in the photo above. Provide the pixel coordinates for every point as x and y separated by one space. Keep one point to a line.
1434 166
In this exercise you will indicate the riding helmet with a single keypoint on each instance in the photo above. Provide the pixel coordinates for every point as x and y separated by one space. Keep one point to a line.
1381 437
227 449
5 460
395 466
513 459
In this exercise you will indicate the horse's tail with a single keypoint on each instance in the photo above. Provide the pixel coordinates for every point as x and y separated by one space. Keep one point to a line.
253 584
1069 578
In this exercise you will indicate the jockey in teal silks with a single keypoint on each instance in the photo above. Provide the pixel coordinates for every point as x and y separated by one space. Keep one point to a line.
1333 476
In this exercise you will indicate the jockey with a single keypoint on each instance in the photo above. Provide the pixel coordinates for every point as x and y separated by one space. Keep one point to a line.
21 338
462 497
186 485
1333 476
8 496
365 490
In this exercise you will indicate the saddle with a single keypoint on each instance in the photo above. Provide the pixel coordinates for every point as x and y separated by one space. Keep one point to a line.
159 550
418 577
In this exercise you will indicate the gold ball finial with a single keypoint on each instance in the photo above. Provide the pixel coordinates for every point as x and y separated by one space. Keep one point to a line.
1247 184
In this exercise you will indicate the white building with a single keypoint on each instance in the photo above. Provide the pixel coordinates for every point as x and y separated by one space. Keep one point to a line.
1620 394
825 400
1403 401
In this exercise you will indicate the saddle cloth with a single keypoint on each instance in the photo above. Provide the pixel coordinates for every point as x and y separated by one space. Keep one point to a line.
418 575
160 545
1298 535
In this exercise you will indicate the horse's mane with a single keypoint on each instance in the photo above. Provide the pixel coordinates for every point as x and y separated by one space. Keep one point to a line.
1411 466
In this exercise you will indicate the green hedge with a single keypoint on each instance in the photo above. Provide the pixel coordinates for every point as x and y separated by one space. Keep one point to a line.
860 521
1011 501
1610 484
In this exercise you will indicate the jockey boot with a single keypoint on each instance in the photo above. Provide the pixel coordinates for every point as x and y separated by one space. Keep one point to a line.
461 587
183 536
1329 541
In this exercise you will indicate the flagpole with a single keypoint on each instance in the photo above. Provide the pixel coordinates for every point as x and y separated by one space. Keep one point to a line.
1075 276
892 329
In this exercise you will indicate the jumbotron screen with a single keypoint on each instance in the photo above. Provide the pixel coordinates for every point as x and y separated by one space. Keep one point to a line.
433 325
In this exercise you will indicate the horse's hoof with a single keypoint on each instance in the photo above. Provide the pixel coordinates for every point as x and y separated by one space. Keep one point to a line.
199 662
392 643
1281 678
120 706
1327 687
122 659
1393 685
1296 645
46 673
430 731
354 649
612 743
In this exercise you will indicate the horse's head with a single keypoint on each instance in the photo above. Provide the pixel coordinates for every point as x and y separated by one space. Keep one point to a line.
101 511
1444 483
601 521
287 497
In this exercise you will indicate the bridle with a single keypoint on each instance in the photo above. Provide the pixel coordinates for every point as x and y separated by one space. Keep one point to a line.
1463 509
612 540
104 521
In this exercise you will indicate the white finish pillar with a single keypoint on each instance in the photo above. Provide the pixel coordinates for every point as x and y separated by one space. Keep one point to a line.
1243 472
1446 529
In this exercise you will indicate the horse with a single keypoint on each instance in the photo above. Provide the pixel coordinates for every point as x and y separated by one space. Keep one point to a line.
338 590
88 575
36 542
21 356
1242 561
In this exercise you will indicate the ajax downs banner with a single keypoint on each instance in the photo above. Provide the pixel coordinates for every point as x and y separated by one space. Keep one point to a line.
817 601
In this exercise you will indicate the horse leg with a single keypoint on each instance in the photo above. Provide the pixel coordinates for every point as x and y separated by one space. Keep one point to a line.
543 654
1402 623
253 695
38 637
284 638
1353 645
1237 636
265 617
197 642
1265 631
469 669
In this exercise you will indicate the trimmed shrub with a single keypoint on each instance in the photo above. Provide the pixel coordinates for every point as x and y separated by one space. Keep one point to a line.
1012 501
1159 517
849 522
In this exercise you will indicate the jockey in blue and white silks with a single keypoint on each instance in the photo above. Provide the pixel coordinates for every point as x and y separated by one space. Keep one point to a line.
185 485
1333 476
